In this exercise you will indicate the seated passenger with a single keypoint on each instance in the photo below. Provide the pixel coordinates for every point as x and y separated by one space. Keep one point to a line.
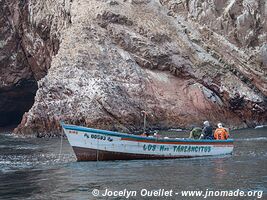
221 133
145 134
207 131
195 133
156 135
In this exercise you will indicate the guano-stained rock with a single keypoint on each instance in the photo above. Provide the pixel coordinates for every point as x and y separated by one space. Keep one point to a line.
100 63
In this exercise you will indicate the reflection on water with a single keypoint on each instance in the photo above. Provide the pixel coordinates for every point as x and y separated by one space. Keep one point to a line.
31 169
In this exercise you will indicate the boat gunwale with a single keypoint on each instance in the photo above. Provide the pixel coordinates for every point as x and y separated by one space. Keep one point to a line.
125 135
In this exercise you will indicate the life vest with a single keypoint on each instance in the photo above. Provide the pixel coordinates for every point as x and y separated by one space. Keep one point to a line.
221 134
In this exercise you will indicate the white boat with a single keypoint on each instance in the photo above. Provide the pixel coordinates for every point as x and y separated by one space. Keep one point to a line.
260 126
93 144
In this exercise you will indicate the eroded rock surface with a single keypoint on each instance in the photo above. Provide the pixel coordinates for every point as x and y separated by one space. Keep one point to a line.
28 40
106 61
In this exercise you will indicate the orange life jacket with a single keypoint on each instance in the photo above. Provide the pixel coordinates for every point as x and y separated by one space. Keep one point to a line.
221 134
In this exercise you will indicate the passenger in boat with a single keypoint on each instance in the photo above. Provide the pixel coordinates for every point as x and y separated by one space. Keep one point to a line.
221 133
207 131
156 135
145 134
195 133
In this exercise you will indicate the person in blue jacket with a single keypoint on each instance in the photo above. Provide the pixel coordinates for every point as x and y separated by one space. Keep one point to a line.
207 131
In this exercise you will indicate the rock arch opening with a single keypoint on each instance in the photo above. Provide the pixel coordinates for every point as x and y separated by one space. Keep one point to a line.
15 101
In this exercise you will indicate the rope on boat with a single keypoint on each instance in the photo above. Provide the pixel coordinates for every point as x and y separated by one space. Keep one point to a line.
61 142
97 151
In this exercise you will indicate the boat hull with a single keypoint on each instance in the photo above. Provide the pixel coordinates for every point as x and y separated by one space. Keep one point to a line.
93 144
87 154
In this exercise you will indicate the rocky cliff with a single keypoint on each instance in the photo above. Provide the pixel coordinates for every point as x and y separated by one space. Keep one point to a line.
99 63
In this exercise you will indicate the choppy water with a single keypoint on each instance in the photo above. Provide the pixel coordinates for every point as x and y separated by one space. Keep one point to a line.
30 168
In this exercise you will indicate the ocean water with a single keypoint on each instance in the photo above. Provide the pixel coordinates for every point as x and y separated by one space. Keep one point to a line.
31 168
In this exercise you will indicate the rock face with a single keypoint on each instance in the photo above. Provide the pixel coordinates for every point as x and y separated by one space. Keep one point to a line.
100 63
28 40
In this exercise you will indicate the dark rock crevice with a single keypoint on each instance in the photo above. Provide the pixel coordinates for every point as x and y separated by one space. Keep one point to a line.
15 101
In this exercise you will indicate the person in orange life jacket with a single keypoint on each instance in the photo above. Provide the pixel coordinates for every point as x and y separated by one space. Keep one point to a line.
221 133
